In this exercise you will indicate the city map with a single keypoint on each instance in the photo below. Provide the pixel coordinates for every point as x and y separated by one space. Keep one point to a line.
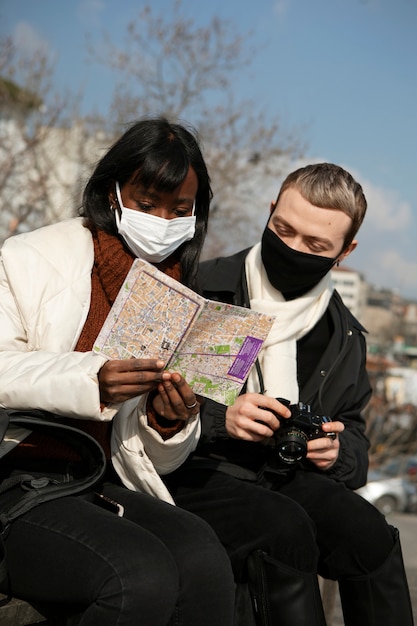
211 344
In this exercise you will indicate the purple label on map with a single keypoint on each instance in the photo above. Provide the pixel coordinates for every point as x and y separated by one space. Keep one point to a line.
245 358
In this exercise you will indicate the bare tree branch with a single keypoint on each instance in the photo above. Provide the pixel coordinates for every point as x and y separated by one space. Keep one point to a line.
169 65
39 183
166 64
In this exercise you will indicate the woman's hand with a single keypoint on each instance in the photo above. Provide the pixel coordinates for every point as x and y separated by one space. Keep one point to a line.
121 380
324 452
175 399
253 417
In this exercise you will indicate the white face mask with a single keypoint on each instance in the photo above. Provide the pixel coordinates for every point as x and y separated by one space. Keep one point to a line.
149 237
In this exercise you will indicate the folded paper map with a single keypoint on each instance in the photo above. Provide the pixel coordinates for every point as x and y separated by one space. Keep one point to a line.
211 344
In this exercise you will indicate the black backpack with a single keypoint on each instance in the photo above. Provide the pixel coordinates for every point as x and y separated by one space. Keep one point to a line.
21 491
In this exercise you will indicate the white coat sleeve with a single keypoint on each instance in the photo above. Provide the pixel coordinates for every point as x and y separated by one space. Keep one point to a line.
66 384
41 316
140 455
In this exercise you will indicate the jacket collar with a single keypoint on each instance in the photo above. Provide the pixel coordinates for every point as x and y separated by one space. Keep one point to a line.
224 274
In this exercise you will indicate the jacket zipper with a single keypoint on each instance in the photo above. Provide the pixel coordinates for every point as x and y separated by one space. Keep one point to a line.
258 586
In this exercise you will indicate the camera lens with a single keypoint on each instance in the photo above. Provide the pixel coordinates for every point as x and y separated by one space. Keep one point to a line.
292 446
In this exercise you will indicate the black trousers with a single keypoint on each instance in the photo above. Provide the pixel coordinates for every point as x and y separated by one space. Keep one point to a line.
309 522
155 566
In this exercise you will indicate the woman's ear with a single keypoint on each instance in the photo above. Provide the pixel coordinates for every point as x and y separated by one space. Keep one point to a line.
112 196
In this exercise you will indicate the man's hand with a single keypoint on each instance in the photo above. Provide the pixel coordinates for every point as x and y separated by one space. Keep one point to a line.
324 452
252 417
121 380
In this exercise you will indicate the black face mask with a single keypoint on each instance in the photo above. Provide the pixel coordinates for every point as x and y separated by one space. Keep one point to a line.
293 273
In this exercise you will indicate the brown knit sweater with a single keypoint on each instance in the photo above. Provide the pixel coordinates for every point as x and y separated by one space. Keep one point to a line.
112 261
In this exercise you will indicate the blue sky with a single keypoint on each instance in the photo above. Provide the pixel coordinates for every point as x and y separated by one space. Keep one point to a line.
343 71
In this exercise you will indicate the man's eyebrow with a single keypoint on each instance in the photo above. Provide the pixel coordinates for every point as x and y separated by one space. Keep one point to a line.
328 243
277 219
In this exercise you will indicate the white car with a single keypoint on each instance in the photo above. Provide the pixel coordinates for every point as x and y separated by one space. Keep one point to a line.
393 486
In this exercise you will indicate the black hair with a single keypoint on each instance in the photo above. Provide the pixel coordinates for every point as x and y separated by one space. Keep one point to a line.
159 154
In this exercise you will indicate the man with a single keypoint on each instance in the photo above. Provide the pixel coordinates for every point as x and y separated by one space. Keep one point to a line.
282 520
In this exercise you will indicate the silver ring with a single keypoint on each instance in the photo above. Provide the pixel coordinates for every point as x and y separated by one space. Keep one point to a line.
192 406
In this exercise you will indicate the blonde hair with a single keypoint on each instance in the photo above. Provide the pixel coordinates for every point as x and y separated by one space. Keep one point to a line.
329 186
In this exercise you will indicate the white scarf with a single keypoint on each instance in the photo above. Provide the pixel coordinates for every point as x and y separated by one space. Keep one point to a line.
294 319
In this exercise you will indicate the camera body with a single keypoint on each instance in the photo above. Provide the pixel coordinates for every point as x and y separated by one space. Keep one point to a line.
295 431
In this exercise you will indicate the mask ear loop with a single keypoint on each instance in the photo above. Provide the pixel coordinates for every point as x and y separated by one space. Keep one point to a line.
117 210
119 196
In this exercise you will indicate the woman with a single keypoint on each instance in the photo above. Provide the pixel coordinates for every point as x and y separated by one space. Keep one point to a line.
148 197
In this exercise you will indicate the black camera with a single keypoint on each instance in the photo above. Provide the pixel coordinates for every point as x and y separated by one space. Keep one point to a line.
295 431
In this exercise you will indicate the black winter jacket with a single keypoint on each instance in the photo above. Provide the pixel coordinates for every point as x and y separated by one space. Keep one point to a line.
339 387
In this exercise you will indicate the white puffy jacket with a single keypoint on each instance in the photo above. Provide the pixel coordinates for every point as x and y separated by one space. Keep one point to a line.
45 290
